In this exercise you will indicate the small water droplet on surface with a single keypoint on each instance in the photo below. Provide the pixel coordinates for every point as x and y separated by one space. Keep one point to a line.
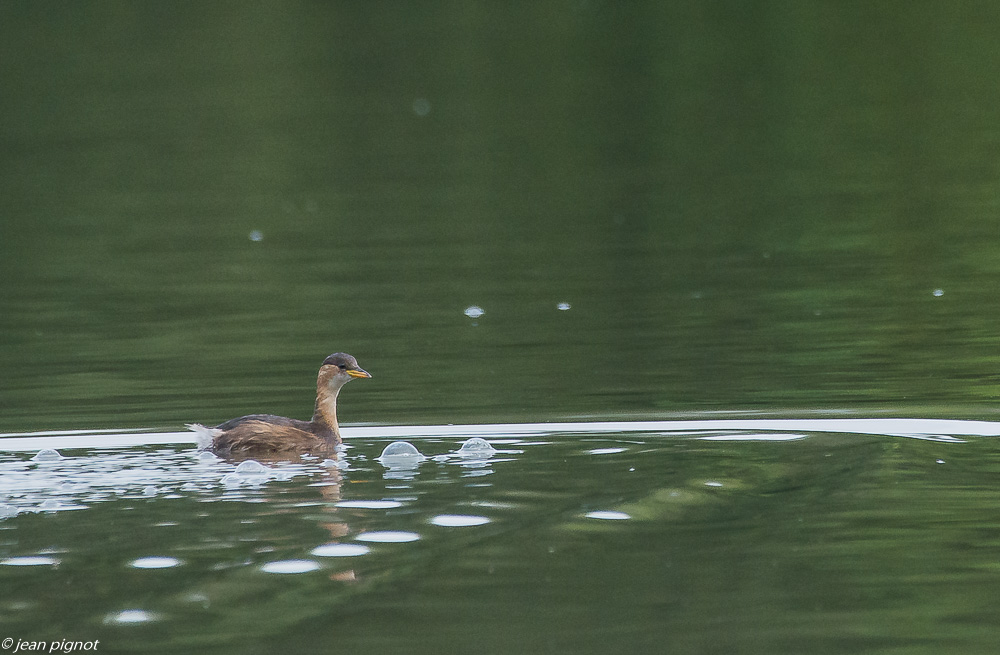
130 617
36 560
388 537
421 107
256 235
607 515
340 550
606 451
370 504
563 306
155 562
459 520
290 566
474 311
938 292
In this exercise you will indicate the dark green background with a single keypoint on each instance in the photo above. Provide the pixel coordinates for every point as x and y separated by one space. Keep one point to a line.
782 207
748 205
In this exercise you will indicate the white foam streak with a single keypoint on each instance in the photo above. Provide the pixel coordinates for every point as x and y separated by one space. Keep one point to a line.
932 429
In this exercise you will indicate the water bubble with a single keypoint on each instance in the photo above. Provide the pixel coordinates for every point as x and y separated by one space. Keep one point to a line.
251 467
231 480
340 550
256 235
155 562
607 515
563 306
421 107
459 520
474 311
476 447
713 483
205 457
388 536
149 491
401 450
47 455
290 566
938 292
401 459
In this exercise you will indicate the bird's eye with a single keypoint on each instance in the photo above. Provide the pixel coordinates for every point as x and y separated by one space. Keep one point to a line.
343 367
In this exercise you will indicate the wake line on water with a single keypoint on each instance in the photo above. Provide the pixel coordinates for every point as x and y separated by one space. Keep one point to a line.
947 430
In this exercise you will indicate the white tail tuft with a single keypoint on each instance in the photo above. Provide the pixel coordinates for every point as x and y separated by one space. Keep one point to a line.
204 435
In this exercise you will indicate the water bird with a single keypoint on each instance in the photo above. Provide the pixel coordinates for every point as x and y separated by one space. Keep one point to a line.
266 435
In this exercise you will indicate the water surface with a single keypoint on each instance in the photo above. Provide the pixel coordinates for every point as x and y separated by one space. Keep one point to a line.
543 224
688 535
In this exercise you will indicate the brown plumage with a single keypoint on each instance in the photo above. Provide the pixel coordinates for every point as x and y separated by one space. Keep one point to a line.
267 436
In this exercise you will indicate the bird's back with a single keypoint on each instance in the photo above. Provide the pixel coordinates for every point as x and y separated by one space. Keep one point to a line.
261 435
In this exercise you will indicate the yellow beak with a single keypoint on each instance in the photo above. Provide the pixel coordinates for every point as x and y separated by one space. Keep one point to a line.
358 373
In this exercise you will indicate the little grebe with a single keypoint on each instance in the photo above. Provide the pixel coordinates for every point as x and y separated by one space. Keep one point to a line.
265 434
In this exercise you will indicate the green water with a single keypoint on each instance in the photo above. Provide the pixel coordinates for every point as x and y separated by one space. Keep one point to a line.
580 543
771 208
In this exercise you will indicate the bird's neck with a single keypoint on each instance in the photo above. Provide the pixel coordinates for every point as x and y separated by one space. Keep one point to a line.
325 416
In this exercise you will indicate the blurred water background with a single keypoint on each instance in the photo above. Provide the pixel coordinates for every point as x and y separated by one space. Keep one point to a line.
662 210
